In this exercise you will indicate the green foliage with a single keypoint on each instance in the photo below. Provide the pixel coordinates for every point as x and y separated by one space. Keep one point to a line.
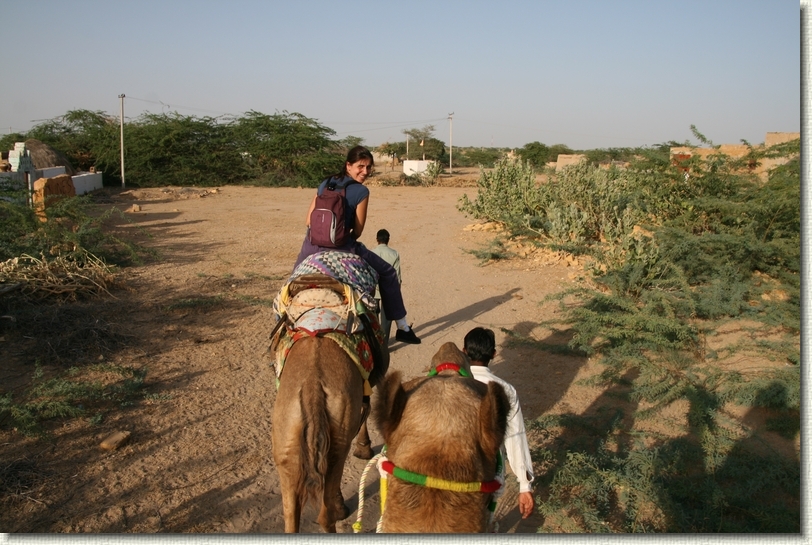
432 172
86 138
393 149
662 489
72 231
536 153
432 149
426 178
558 149
672 257
506 194
477 157
88 391
494 252
287 148
172 149
7 141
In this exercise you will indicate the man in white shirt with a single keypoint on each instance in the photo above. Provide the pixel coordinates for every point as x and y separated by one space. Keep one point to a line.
392 257
480 346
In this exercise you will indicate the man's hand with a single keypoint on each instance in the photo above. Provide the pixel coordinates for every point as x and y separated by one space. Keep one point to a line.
527 504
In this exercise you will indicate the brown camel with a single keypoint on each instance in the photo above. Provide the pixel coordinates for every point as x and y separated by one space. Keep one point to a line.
319 408
446 427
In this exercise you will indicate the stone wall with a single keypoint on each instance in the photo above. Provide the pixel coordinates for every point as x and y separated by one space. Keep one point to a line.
736 151
565 160
49 191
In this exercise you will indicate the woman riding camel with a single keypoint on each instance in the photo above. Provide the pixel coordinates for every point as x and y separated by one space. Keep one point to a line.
356 170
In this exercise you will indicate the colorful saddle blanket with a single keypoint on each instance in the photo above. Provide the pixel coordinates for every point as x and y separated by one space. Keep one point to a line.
323 312
355 345
345 267
358 278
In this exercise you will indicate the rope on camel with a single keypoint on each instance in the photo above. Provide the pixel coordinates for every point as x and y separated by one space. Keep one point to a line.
356 527
385 468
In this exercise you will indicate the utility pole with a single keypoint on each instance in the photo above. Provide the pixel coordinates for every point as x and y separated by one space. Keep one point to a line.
451 143
121 96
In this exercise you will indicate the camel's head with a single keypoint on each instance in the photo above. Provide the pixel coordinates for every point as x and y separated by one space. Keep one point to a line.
449 353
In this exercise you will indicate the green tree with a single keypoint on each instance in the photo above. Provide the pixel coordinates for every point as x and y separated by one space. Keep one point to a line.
87 139
181 150
287 147
485 157
349 142
558 149
7 141
433 149
536 153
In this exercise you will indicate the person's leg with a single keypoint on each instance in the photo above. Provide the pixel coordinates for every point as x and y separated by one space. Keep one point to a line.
391 296
308 249
386 327
388 283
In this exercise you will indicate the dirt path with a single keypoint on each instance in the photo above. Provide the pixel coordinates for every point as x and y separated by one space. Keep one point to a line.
200 459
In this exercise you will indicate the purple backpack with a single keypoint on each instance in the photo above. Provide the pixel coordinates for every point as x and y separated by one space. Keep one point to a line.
328 222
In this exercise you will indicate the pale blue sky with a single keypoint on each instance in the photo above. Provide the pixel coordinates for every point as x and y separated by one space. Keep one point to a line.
588 74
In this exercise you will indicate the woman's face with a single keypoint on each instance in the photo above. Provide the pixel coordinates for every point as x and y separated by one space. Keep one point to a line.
359 170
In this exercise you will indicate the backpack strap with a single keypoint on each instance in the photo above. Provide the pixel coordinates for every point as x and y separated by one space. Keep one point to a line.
332 185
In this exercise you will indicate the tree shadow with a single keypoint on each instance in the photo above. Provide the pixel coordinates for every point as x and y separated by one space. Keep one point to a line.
700 481
607 420
68 470
541 370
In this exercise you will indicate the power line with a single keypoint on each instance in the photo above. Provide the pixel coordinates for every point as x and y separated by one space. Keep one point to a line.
165 105
376 129
558 131
386 122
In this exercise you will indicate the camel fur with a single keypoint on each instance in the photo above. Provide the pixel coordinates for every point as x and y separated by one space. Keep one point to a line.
448 427
318 410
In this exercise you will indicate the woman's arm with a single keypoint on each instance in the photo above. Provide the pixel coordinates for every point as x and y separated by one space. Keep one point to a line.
310 211
360 218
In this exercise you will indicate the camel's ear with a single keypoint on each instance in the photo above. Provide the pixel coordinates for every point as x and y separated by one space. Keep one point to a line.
389 404
493 414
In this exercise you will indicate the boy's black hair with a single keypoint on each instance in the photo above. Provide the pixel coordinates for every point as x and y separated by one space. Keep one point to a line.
382 237
480 345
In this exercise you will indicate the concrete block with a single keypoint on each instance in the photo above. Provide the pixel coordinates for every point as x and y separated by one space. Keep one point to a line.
87 182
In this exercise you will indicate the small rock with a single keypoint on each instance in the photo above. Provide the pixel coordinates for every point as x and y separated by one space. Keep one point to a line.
115 440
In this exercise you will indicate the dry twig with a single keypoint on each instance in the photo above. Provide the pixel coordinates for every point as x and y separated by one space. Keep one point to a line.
60 277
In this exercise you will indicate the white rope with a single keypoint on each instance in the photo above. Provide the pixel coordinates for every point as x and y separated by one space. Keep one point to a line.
356 528
379 458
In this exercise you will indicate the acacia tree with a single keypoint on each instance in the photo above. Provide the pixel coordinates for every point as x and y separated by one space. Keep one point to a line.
432 148
287 146
87 139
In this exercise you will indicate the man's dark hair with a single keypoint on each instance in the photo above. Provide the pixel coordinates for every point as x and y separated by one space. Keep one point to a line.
382 236
480 345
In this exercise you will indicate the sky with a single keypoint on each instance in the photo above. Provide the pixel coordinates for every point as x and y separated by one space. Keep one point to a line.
587 74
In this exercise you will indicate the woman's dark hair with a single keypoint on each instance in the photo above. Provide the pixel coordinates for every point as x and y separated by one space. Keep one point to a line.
353 156
480 345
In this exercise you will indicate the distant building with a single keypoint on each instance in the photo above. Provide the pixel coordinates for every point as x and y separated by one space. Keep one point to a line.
679 155
568 159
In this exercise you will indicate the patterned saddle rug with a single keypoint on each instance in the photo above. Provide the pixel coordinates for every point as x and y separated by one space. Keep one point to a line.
330 294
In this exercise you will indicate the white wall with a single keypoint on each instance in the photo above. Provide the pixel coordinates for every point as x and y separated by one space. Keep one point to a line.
83 183
87 182
414 167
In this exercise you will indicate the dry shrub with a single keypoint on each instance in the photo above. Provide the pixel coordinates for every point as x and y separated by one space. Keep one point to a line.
60 278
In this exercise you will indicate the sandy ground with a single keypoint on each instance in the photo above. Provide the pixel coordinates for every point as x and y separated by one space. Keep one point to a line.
199 458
